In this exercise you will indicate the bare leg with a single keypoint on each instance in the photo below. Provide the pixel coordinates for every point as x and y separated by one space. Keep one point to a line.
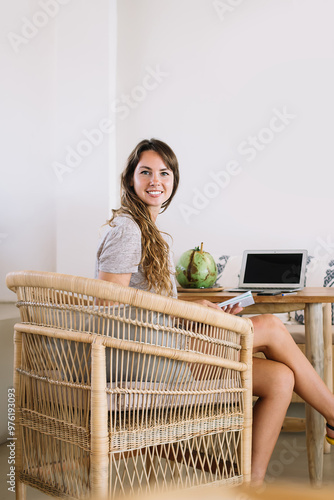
273 339
273 382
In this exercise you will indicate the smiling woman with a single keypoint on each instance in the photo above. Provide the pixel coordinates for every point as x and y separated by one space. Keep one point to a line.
134 252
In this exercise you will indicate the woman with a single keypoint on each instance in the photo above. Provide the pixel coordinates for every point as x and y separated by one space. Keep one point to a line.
149 183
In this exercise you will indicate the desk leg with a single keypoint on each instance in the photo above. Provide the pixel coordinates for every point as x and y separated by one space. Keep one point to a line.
328 362
314 347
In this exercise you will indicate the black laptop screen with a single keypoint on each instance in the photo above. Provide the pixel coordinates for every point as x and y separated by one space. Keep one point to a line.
273 268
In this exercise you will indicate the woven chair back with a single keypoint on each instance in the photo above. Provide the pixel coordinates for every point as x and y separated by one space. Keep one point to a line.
122 391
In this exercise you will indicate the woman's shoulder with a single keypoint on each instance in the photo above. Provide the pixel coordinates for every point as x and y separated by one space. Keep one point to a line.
123 232
123 222
121 226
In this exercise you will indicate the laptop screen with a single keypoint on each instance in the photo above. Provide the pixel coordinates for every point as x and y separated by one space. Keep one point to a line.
277 268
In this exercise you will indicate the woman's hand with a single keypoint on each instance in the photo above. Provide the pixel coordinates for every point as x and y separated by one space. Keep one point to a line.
235 309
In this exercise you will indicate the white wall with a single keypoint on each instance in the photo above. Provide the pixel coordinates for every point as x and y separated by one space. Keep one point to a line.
57 81
217 81
85 89
26 201
226 76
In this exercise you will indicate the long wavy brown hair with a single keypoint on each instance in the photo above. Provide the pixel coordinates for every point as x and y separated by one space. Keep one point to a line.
155 249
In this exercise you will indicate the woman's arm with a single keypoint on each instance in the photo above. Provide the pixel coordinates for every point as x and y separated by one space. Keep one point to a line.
120 279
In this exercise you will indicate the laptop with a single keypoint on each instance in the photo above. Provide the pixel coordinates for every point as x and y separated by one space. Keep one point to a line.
272 271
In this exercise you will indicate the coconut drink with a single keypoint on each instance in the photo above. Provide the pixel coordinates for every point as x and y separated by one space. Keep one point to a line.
196 269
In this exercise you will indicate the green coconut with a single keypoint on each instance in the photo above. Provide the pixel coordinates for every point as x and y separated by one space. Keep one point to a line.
196 269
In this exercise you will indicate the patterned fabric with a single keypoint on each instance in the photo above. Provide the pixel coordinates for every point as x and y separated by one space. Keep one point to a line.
299 315
221 266
326 280
329 281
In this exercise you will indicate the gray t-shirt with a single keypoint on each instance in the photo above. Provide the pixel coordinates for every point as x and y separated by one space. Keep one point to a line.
119 251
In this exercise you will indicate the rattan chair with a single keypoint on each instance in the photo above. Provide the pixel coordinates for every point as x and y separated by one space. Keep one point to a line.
121 391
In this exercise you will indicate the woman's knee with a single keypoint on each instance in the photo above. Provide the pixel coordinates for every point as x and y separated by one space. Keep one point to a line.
284 380
269 331
272 322
273 379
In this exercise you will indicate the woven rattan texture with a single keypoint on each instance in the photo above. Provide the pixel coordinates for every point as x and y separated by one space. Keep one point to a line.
119 392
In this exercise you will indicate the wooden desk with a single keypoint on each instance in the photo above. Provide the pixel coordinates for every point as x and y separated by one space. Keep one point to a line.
318 343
